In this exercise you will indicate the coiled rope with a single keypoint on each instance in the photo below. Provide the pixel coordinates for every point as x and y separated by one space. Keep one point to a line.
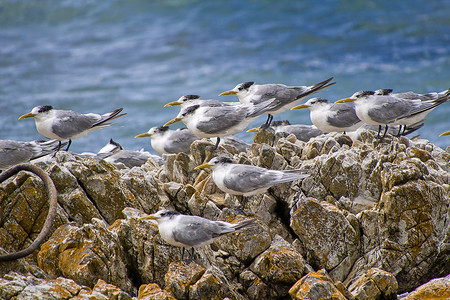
51 189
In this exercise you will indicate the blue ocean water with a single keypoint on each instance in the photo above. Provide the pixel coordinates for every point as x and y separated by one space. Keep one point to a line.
96 56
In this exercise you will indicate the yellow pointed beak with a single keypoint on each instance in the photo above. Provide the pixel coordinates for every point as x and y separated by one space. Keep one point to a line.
145 134
445 133
300 106
204 166
253 129
172 103
174 120
151 217
230 92
345 100
28 115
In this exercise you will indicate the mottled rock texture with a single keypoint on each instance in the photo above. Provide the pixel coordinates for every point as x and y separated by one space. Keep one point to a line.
372 221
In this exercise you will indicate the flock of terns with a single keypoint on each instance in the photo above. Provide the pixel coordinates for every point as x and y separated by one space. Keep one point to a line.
399 113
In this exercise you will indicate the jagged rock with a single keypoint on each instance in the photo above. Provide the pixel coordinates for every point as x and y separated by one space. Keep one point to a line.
181 275
330 239
279 267
245 244
315 285
370 212
375 284
152 291
17 286
85 254
438 288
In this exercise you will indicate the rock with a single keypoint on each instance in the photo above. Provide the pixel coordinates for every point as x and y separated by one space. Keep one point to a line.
18 286
85 254
372 214
315 285
330 239
438 288
152 291
279 267
181 275
375 284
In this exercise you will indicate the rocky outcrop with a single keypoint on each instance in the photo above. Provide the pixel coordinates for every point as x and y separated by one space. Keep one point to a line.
372 221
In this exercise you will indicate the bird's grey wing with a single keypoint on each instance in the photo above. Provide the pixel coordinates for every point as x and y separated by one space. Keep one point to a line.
194 231
344 115
13 152
245 178
221 118
388 110
71 123
129 158
180 141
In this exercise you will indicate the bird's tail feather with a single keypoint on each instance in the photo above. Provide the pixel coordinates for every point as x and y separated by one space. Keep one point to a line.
243 224
317 87
435 102
109 117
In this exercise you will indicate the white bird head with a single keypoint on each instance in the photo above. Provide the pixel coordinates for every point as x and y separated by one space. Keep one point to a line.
187 112
161 216
312 103
213 163
240 90
38 111
183 99
157 130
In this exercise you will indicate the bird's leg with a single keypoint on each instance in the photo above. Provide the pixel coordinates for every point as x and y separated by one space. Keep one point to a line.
404 129
385 131
68 145
399 130
57 149
268 122
215 146
379 131
182 253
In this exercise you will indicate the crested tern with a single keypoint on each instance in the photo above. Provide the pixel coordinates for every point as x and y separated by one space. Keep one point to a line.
192 231
247 180
331 117
113 152
188 100
64 125
219 121
389 110
286 96
302 132
164 140
17 152
415 118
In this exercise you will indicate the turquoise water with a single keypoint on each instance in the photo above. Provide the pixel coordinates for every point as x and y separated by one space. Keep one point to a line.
95 56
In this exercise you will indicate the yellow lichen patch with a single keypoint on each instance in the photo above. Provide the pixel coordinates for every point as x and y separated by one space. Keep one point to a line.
153 292
315 285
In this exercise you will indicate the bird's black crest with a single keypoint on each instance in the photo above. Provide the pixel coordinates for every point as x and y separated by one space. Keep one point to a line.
190 109
246 85
224 160
321 100
111 141
162 128
191 97
169 213
384 92
45 108
365 93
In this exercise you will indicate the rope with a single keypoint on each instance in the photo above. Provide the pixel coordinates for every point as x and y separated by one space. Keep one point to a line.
51 189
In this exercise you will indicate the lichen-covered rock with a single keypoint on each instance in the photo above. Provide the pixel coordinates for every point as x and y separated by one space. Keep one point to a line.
85 254
316 285
247 243
330 239
438 288
152 291
181 275
279 267
375 284
17 286
371 213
